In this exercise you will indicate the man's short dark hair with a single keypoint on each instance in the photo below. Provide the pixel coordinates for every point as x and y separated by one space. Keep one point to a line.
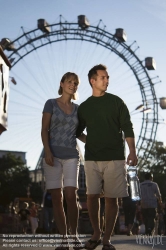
93 71
148 176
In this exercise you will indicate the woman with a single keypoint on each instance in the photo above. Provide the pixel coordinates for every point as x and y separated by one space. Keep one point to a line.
61 159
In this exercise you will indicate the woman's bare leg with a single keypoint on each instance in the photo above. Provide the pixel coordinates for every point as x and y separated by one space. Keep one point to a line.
59 215
72 208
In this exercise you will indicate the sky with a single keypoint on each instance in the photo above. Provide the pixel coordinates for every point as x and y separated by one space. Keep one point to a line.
39 73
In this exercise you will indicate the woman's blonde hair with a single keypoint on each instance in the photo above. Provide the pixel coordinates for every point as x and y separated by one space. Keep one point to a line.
67 76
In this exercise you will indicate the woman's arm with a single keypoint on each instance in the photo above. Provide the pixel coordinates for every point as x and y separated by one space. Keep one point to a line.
45 138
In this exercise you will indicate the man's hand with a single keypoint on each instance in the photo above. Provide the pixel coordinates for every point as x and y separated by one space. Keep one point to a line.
132 158
49 158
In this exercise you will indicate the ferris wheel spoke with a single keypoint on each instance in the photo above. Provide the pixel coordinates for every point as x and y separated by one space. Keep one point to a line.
24 105
33 76
122 77
127 91
55 66
22 94
52 59
45 79
77 48
87 58
27 85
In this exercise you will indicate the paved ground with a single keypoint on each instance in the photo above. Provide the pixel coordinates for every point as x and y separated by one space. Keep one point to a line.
39 241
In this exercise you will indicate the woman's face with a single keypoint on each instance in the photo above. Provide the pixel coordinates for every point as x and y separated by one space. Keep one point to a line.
69 86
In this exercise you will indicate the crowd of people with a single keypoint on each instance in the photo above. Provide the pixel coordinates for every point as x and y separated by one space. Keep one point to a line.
25 217
133 218
130 220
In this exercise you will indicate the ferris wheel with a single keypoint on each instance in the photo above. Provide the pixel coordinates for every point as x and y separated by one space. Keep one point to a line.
40 57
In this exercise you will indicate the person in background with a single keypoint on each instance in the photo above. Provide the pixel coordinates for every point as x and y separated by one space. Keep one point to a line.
129 208
164 214
150 194
48 212
33 217
24 217
138 220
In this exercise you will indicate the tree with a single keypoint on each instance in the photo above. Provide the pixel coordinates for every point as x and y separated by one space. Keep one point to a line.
14 179
157 165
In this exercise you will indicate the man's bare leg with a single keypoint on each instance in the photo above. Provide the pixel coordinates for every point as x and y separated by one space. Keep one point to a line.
111 211
94 214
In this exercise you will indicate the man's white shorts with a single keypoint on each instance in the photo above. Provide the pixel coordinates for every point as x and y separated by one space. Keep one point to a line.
64 173
113 173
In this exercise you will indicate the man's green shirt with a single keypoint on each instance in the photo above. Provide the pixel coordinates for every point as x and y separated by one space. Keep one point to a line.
107 121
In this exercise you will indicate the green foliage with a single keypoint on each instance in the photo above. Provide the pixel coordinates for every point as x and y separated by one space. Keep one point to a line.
157 165
157 159
14 179
36 192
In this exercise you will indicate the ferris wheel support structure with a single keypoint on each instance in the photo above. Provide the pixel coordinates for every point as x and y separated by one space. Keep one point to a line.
63 31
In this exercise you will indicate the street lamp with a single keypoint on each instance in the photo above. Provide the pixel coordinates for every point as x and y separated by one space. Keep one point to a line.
147 110
28 192
13 80
139 108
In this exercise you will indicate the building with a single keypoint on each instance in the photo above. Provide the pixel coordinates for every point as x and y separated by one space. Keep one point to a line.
4 90
22 155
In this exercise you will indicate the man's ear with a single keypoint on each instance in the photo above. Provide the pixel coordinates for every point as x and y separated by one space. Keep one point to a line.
92 81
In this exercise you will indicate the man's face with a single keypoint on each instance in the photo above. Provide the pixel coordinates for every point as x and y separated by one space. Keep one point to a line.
101 81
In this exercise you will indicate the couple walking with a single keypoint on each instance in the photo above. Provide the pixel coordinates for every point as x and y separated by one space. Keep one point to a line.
107 120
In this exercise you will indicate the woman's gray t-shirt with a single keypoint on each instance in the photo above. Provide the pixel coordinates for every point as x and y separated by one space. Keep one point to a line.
62 131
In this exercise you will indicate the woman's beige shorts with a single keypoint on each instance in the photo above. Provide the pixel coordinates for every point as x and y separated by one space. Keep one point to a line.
64 173
114 175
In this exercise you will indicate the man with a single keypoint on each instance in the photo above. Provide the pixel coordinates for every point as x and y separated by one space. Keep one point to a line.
48 212
24 218
105 116
150 193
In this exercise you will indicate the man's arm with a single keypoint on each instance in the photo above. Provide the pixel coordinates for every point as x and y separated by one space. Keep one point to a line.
82 137
160 201
132 157
81 126
158 195
127 128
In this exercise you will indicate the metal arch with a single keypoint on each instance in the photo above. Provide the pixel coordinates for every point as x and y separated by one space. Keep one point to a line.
32 40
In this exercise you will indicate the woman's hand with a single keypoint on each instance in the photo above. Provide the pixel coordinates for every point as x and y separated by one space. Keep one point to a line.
49 158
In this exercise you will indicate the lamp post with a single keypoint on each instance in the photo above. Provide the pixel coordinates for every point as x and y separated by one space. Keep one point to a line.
141 108
10 208
28 192
13 80
147 110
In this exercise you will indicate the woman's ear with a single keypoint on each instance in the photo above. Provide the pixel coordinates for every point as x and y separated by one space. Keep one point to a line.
61 84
